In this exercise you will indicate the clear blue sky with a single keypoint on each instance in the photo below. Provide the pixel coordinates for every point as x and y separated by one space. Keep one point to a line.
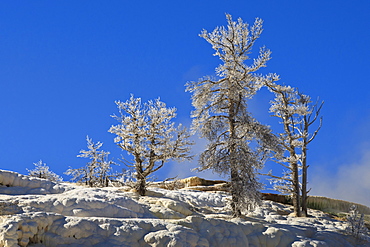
64 63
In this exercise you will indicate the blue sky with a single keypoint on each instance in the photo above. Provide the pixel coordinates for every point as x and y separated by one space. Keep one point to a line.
64 63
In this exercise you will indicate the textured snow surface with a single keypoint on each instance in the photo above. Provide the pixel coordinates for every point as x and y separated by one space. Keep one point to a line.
50 214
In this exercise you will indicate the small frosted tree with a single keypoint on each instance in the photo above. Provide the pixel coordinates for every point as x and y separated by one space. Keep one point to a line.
147 133
238 143
97 171
356 223
42 171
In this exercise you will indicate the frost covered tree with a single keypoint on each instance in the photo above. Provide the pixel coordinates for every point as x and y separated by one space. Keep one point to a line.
356 223
295 111
42 171
97 172
237 142
288 108
147 133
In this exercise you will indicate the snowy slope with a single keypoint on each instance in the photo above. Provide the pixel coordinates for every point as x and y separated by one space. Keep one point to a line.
37 212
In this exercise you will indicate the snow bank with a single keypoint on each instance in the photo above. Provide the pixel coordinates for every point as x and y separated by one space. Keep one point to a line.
80 216
17 184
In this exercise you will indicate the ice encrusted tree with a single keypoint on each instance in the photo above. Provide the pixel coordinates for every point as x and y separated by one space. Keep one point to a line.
97 172
296 114
42 171
146 132
237 142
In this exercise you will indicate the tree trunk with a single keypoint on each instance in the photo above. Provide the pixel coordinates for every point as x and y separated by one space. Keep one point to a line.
234 195
296 191
304 191
233 170
106 181
304 176
141 186
294 169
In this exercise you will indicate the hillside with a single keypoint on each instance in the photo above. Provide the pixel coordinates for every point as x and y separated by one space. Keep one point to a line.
37 212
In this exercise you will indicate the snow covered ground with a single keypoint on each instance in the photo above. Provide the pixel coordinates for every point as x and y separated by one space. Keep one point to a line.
37 212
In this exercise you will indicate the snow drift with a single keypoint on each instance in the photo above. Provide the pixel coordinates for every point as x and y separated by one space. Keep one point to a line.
37 212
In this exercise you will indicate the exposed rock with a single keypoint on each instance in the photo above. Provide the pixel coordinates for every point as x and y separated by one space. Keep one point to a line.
276 198
197 181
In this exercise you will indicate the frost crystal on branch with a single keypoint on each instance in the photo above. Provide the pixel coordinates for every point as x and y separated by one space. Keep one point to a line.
146 132
221 114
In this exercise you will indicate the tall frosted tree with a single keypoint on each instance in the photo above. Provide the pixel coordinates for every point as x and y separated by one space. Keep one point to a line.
307 137
147 133
237 142
289 108
296 113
